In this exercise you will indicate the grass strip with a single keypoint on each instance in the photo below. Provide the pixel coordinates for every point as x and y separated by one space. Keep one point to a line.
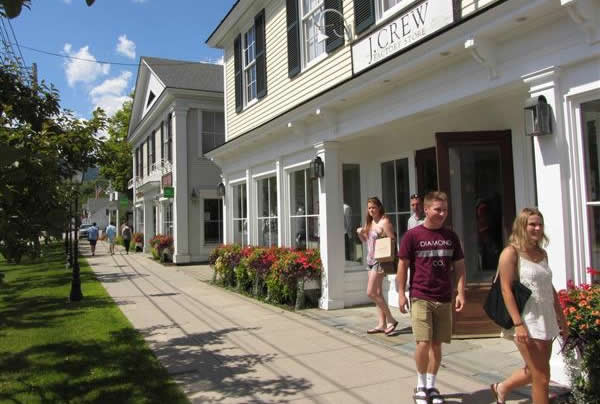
54 351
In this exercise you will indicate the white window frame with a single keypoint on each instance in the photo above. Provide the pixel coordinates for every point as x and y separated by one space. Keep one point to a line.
168 218
235 219
291 201
384 14
304 17
272 182
249 66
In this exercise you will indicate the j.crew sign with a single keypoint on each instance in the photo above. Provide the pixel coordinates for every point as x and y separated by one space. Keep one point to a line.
410 27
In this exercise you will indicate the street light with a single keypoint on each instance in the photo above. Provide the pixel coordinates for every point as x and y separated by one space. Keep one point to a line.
76 294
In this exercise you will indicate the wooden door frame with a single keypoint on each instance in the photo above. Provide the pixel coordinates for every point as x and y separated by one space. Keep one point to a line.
503 138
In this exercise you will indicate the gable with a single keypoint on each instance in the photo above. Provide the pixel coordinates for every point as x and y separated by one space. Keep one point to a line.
153 90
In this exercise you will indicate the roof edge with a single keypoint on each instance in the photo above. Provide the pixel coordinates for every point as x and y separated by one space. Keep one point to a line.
212 39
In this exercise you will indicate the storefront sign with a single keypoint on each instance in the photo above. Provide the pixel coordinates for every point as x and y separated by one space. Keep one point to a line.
167 180
411 27
123 201
169 192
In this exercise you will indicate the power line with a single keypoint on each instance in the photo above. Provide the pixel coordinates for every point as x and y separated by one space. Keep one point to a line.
103 62
17 43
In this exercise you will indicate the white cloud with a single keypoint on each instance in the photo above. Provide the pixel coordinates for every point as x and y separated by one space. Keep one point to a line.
126 47
68 1
139 1
85 71
111 93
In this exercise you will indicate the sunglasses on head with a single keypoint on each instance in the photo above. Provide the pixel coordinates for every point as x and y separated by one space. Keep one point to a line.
415 196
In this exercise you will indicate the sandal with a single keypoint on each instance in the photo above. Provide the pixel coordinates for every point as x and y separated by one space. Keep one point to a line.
421 398
494 388
390 328
434 396
375 331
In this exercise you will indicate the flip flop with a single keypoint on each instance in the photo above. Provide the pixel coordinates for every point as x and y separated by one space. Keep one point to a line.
434 396
494 388
375 331
390 328
420 398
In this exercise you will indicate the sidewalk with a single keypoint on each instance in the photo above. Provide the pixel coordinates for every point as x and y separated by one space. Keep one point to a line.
222 347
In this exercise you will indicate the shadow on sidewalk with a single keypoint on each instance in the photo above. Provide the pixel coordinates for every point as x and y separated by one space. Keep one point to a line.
207 362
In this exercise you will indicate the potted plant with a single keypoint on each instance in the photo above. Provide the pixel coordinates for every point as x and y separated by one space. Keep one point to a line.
138 239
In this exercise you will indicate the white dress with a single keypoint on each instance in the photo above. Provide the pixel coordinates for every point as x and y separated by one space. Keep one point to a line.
538 315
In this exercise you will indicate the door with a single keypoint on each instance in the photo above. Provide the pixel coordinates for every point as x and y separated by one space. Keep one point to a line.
426 165
476 171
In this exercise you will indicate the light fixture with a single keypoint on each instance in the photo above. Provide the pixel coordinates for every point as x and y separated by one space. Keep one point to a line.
538 116
317 168
194 194
221 190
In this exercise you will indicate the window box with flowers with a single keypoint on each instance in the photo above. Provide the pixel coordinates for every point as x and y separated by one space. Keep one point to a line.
581 306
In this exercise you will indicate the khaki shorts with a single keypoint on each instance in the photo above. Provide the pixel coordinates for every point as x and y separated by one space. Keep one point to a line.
431 321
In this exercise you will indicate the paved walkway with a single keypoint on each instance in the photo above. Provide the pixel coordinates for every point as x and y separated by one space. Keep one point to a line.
223 347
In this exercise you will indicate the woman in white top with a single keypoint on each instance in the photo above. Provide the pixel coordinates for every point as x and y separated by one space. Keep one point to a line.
542 318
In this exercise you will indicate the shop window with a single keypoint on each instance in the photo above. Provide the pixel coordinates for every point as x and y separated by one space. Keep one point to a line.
396 194
352 212
168 218
213 221
240 215
140 220
590 119
304 210
386 8
267 212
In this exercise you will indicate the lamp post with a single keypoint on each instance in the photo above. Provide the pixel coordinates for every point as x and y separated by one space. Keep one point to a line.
76 294
68 249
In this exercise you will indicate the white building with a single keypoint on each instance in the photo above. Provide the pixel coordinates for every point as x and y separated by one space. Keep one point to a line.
404 97
177 117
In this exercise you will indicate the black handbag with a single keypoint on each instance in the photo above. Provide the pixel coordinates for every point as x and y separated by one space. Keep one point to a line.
494 304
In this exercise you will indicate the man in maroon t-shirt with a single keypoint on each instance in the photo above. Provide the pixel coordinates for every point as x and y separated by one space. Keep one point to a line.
432 252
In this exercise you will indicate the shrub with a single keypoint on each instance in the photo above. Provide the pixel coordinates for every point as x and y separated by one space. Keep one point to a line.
155 253
138 238
164 246
581 306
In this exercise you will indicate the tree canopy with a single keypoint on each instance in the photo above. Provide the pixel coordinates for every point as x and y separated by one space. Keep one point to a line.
41 148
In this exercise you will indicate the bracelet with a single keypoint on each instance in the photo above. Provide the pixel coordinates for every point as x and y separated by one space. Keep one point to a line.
518 324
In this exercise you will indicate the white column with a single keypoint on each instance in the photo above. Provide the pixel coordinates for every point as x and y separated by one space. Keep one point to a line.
147 206
180 183
250 216
552 174
280 204
331 228
226 213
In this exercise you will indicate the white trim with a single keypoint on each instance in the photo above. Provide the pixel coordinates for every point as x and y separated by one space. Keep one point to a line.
297 166
264 174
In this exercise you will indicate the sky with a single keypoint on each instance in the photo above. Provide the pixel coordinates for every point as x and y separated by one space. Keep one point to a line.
117 31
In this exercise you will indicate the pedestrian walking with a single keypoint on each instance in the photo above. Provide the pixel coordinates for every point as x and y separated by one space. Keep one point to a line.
418 214
111 234
432 252
126 234
542 318
93 237
377 225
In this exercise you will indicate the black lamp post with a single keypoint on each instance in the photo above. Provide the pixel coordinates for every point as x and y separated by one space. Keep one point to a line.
76 294
68 249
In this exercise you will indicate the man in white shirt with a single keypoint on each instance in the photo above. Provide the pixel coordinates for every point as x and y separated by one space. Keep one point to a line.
418 214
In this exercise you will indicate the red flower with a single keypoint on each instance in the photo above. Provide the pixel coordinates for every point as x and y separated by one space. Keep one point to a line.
593 271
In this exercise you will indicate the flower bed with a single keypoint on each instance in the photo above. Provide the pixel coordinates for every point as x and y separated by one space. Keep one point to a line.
162 247
274 274
581 306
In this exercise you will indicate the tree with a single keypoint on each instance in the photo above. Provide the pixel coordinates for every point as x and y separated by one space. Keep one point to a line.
13 8
116 163
41 147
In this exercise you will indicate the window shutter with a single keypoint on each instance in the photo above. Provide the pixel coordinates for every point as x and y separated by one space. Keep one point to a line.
261 55
293 38
364 14
148 163
162 141
237 65
334 25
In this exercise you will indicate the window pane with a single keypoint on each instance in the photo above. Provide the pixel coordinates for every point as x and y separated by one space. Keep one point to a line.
402 186
352 211
239 201
313 232
312 196
273 197
240 232
267 232
213 221
297 193
298 232
594 229
590 117
388 186
263 198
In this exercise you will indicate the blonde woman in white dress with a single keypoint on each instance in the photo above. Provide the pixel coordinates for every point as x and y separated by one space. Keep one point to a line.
542 319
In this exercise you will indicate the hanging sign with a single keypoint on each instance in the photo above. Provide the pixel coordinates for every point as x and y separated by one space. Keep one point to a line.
169 192
409 28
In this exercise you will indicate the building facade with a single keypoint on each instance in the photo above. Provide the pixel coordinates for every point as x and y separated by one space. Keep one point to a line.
177 116
407 96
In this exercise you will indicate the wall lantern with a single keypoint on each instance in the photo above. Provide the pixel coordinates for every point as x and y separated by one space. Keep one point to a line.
194 195
538 116
221 190
317 168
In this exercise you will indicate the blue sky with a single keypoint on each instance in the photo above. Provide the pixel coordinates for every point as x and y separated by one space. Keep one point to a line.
112 30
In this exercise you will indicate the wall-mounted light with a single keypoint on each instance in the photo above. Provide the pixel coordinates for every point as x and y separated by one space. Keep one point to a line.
317 168
194 194
221 190
538 116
